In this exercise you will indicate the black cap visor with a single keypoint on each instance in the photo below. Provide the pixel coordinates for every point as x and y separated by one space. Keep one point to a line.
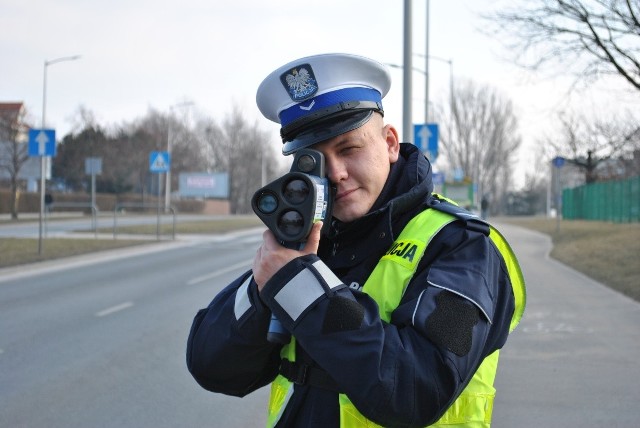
327 128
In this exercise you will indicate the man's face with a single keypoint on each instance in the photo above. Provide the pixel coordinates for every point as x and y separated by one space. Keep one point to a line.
358 164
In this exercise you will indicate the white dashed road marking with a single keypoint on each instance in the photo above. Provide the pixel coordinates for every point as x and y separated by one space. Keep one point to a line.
114 309
231 268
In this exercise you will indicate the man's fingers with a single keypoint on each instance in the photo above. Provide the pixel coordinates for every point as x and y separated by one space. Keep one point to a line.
313 240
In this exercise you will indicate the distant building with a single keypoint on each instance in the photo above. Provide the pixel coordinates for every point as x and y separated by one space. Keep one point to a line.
13 145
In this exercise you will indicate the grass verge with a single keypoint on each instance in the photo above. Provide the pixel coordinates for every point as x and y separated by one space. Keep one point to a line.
202 227
606 252
18 251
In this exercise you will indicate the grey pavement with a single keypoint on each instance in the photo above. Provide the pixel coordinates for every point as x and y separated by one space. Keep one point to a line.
574 359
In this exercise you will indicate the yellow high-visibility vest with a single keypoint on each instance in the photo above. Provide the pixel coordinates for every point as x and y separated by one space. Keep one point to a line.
474 406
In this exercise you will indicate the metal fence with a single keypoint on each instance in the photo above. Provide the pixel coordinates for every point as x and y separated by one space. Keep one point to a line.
616 201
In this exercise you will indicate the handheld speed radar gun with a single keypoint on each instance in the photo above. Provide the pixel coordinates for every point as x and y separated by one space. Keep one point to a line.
290 205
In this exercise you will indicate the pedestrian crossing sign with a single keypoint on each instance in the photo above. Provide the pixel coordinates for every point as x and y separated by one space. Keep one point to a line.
159 162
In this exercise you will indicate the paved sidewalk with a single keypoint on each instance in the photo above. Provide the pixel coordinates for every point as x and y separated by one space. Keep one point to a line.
574 359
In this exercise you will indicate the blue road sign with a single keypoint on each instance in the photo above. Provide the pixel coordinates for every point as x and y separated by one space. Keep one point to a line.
42 142
159 162
437 178
558 161
425 137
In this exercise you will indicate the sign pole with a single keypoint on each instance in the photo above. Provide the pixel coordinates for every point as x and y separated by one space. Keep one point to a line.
558 162
42 165
557 180
93 186
42 144
41 217
158 214
159 162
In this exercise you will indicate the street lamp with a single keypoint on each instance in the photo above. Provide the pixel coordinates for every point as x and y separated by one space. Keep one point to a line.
167 186
407 81
426 74
448 61
44 159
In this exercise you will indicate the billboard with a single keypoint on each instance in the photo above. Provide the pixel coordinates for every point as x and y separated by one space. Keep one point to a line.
460 192
204 185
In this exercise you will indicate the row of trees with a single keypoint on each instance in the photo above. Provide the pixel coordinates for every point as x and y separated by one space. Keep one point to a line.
13 150
479 130
588 40
233 146
479 135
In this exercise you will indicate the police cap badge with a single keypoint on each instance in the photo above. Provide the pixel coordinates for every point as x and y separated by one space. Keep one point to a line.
319 97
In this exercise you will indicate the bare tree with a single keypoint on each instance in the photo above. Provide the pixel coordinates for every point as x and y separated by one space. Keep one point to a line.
592 37
534 194
603 148
480 136
13 147
242 150
187 150
236 147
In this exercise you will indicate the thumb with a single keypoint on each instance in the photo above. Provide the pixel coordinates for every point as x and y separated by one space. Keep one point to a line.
313 240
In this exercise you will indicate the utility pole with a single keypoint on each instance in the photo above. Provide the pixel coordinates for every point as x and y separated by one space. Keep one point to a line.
426 68
43 158
407 125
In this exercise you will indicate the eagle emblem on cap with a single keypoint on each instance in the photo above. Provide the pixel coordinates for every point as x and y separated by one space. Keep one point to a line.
300 82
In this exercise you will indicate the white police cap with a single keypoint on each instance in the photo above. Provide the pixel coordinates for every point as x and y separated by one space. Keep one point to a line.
322 96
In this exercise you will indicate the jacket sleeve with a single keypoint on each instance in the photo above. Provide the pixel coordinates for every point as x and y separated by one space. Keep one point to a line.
227 350
454 313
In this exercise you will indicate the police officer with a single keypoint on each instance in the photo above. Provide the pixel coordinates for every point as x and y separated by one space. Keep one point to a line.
397 311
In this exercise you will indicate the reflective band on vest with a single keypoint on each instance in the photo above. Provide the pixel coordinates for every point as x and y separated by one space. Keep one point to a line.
281 387
474 406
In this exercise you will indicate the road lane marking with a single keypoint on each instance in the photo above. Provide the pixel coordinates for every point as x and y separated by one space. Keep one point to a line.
212 275
113 309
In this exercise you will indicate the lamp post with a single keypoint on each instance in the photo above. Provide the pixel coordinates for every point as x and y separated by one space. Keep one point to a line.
448 61
419 70
407 125
43 159
426 67
167 185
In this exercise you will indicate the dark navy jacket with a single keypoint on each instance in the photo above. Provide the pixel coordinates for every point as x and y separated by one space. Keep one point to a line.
404 373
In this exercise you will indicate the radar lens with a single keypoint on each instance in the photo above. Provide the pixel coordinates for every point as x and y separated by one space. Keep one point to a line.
306 163
296 191
291 223
267 203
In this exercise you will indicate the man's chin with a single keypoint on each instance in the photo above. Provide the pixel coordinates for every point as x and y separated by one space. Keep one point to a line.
345 215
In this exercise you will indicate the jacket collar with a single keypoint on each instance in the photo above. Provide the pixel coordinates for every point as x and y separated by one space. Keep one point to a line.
408 185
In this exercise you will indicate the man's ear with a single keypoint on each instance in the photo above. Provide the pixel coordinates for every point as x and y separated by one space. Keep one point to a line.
393 142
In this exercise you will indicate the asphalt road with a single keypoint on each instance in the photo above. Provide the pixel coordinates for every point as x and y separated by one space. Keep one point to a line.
99 341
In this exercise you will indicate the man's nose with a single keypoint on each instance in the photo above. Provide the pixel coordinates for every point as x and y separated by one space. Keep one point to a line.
336 171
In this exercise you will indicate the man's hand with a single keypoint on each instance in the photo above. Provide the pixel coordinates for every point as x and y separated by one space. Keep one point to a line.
271 256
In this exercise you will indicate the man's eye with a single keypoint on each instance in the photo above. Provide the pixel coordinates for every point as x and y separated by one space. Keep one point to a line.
348 149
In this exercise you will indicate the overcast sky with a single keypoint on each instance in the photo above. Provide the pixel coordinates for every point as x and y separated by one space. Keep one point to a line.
142 54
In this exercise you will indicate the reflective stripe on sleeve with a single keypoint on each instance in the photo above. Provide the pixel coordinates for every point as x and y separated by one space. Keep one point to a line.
331 279
304 289
242 303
